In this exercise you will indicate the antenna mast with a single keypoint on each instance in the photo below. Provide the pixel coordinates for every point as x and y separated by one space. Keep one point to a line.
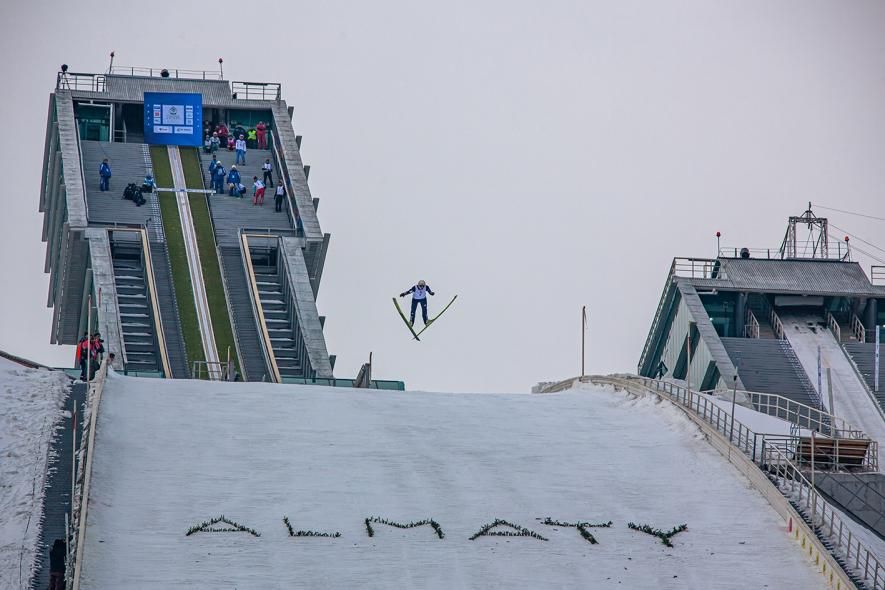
817 226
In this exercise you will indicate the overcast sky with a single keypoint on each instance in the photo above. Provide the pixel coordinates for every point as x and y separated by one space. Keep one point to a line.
530 157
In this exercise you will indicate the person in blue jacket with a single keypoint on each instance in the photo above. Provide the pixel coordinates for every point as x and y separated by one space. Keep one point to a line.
233 181
219 178
104 172
419 295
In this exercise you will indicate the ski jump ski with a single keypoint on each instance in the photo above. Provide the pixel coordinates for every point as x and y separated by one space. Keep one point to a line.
429 322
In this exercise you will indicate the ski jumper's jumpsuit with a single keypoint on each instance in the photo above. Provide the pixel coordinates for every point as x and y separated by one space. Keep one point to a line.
419 295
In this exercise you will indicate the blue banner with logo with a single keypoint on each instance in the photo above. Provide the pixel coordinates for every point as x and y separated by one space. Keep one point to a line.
173 118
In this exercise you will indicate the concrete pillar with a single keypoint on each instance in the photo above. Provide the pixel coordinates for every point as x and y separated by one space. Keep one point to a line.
871 315
740 309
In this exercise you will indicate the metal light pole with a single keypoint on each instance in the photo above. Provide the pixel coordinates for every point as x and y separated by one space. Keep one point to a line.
876 372
583 337
734 388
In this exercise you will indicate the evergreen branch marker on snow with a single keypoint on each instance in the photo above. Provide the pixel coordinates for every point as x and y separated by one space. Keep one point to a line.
433 524
581 526
233 527
294 533
663 536
518 531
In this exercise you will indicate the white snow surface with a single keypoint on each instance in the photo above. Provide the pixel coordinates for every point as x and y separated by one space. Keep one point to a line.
30 407
171 454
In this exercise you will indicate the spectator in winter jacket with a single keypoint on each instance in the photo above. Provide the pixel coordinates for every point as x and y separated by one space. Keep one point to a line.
267 169
96 352
261 133
104 172
258 191
241 150
233 181
214 142
83 354
207 144
219 178
221 130
278 197
212 166
231 143
252 138
148 184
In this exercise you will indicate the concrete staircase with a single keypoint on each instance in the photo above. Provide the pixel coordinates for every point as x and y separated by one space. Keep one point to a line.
57 493
252 361
278 316
757 305
127 163
771 366
863 354
136 321
168 305
229 214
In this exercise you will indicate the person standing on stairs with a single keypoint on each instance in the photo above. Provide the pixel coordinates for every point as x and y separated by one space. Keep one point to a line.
261 133
213 164
104 173
267 169
258 191
278 197
241 149
218 180
419 295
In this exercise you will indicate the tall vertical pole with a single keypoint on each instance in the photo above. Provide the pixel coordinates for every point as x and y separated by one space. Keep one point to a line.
583 337
813 496
876 372
820 386
734 392
688 361
830 391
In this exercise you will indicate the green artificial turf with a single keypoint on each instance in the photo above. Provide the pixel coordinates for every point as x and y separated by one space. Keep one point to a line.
181 278
221 325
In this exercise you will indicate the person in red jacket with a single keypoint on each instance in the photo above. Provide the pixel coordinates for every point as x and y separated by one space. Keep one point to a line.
261 134
83 354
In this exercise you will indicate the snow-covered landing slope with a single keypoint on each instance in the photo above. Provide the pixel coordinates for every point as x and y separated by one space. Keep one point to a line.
30 406
171 454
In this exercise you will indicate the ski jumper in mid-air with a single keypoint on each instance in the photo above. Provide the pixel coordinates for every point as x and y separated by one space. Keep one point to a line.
419 295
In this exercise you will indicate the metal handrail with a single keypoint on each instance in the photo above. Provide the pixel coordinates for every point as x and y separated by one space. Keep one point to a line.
751 327
146 72
793 484
657 317
255 296
777 324
833 325
699 268
857 328
777 465
80 81
836 250
256 90
283 173
803 415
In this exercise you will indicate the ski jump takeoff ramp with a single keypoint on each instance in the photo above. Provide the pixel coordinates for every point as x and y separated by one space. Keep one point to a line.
221 485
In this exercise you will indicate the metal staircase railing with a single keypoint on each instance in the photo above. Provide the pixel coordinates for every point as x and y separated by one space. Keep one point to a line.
751 325
255 296
833 325
857 329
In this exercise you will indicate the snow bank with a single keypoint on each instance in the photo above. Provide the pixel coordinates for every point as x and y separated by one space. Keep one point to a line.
30 408
170 455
